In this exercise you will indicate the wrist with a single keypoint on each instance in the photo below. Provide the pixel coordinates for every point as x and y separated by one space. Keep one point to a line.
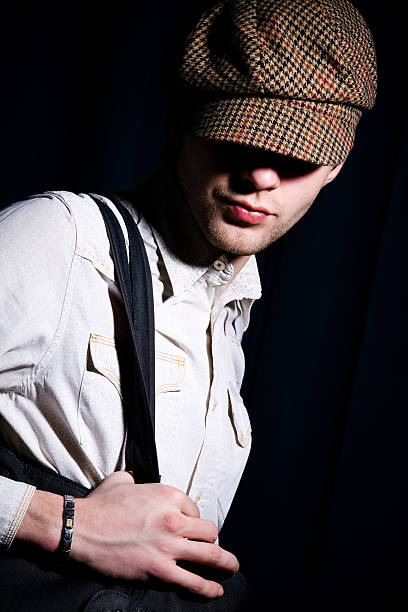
42 522
83 532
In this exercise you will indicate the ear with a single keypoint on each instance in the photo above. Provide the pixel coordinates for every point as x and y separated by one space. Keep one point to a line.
334 172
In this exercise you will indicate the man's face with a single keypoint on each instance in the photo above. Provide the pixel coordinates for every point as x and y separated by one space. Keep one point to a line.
244 199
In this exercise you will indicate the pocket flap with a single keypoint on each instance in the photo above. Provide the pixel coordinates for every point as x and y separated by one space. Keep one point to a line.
239 417
169 372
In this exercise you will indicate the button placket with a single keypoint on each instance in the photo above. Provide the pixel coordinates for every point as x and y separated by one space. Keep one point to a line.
203 489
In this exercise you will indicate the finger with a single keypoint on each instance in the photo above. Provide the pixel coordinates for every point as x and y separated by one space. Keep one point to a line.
207 554
199 529
194 583
189 508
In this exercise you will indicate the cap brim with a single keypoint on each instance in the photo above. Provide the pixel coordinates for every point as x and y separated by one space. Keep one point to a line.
320 133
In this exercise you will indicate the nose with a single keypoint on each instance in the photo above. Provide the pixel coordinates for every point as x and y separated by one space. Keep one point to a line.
262 178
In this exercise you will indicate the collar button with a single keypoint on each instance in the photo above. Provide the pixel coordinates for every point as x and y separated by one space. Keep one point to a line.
219 265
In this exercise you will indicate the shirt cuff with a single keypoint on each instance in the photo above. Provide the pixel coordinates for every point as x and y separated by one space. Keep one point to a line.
15 499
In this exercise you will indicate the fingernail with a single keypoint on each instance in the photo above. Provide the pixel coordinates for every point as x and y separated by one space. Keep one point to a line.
220 592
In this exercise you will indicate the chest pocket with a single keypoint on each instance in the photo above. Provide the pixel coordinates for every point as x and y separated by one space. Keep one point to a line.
169 373
101 419
104 359
239 417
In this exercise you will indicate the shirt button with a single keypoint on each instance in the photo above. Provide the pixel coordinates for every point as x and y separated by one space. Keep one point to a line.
219 265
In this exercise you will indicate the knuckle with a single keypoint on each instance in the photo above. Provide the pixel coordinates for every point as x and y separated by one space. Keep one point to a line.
158 568
215 553
171 522
177 495
173 495
197 585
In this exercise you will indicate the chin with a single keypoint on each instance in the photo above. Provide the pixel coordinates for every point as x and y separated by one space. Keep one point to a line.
241 243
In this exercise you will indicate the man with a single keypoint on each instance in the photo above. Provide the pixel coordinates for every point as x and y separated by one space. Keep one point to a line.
262 116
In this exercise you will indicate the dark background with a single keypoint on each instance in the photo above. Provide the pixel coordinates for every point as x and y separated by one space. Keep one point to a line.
320 517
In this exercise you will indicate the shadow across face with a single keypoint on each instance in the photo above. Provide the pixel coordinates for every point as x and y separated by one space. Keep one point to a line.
239 160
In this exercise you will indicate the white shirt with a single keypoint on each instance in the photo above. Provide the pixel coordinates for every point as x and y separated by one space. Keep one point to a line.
62 322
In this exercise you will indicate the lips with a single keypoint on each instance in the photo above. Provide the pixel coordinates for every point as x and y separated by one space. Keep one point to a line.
243 213
248 207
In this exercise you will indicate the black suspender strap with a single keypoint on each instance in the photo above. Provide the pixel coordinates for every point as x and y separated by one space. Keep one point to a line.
141 284
134 280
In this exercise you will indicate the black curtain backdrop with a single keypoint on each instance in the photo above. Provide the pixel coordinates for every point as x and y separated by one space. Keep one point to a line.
320 518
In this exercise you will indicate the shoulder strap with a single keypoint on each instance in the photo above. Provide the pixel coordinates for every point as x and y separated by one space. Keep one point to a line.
135 283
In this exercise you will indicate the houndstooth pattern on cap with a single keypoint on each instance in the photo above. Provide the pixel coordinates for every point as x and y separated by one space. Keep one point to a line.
305 49
287 75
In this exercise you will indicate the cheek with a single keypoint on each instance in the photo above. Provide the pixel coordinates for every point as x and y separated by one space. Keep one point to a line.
194 176
299 196
189 178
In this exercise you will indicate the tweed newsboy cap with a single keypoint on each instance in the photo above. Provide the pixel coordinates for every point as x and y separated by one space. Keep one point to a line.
289 76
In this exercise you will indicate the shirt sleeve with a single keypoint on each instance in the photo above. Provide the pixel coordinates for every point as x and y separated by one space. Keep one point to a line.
15 499
37 245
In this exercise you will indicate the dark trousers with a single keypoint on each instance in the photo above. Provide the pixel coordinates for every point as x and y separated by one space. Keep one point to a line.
33 581
33 585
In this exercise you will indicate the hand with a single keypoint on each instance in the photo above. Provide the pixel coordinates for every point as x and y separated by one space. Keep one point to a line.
135 531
